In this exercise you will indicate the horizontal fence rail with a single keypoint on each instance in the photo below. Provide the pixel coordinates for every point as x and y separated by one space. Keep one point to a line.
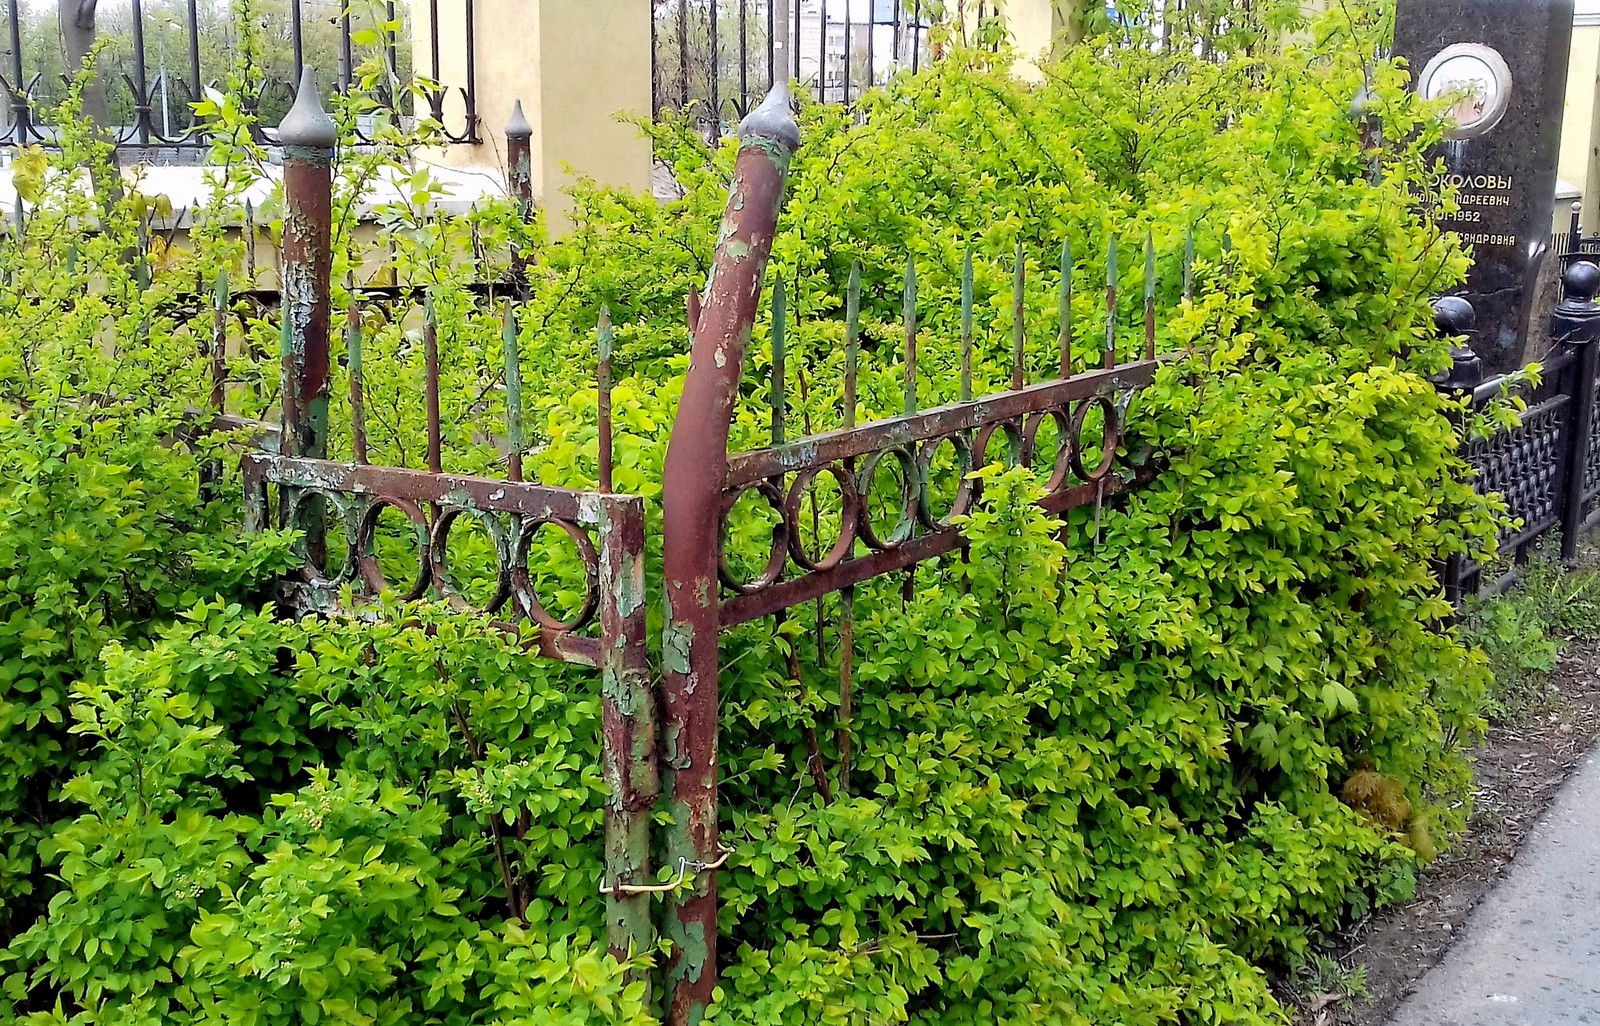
160 57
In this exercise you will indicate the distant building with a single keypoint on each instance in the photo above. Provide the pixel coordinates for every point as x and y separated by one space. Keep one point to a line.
845 46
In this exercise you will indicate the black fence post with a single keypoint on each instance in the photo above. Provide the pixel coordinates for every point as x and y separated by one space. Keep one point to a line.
1454 317
1576 326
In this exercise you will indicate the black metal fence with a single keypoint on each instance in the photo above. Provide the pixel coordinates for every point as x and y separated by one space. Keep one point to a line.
718 57
1547 466
156 58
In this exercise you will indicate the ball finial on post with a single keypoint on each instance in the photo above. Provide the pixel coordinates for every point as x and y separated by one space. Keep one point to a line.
1454 317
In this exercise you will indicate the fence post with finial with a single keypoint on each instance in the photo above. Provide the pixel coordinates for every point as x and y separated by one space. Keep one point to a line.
519 177
1575 326
1454 318
692 482
308 136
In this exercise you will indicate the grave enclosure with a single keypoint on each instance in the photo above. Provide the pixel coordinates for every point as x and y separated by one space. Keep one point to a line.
660 723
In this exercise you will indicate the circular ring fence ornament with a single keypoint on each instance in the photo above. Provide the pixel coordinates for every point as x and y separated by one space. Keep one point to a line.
1067 429
367 546
1477 78
295 506
1111 437
522 576
910 498
961 502
849 517
980 445
777 555
439 557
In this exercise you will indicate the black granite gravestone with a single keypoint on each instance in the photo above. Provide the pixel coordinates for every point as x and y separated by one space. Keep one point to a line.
1505 63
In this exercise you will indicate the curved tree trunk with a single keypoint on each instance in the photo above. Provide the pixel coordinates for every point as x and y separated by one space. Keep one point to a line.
78 35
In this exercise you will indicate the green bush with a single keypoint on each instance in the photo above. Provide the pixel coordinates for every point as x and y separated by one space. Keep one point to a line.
1099 764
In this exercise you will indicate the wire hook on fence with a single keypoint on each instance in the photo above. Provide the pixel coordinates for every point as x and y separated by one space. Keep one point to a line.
685 867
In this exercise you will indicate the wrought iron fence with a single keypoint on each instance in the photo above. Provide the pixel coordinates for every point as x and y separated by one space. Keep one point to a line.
718 57
1546 466
158 57
902 484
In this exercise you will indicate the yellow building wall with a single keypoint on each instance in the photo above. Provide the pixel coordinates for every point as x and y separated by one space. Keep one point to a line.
575 65
1580 133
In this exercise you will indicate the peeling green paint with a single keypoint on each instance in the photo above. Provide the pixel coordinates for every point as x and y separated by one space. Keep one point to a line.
676 640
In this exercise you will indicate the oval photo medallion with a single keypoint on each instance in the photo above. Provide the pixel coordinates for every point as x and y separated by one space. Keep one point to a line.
1478 77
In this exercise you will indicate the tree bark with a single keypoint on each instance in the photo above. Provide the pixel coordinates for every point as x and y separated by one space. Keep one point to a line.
78 35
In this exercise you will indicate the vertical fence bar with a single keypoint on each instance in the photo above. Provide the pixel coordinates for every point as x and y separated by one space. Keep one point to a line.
683 54
1064 312
872 43
354 343
1149 296
852 343
289 415
744 56
692 481
470 99
910 320
434 64
347 54
779 387
849 26
847 597
430 359
219 345
714 87
822 51
607 340
916 36
298 36
196 84
794 41
1576 325
141 77
966 326
392 46
19 103
1019 327
628 727
1111 304
513 358
308 136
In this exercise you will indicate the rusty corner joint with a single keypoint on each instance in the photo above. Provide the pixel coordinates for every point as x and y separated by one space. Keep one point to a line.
693 477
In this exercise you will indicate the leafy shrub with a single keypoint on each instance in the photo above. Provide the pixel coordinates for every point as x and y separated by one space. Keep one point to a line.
1099 762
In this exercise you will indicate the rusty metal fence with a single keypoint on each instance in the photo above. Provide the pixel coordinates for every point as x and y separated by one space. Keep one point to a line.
660 742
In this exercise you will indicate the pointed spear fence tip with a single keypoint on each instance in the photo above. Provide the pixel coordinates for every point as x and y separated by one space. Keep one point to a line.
307 124
518 127
774 119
